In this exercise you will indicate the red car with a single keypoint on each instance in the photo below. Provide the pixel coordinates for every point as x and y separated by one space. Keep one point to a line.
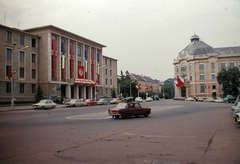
90 102
129 109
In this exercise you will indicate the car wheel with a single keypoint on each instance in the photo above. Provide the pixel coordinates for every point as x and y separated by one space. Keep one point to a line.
146 114
127 116
42 107
117 117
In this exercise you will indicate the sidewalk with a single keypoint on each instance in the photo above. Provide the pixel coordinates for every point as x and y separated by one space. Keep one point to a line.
21 108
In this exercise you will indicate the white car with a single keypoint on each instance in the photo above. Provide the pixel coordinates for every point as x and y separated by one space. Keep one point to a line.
149 99
237 118
138 99
218 100
190 99
74 103
44 104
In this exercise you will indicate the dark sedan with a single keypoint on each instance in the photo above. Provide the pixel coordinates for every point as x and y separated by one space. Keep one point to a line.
129 109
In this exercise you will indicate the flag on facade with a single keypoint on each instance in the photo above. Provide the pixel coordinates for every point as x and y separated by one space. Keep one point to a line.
179 82
9 73
81 72
53 58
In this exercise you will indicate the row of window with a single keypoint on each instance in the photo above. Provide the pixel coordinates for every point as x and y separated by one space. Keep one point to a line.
223 64
203 87
21 55
21 72
9 38
21 88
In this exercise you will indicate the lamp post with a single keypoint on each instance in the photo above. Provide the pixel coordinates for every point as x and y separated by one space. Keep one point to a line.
130 89
12 86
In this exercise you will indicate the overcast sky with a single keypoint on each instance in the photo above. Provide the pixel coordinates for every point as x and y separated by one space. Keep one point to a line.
143 35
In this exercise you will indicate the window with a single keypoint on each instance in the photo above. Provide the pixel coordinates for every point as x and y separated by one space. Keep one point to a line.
213 76
110 81
201 76
183 67
22 37
106 91
33 88
212 65
8 54
21 88
79 50
79 62
110 72
238 63
214 86
176 69
105 61
201 65
22 56
105 71
22 72
232 64
190 67
202 88
33 58
110 62
33 74
223 64
9 36
33 42
106 81
190 78
8 68
8 87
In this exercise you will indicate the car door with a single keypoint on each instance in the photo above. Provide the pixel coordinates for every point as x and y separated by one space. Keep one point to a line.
138 109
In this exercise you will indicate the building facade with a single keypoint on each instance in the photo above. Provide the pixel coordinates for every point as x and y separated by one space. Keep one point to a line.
198 64
65 64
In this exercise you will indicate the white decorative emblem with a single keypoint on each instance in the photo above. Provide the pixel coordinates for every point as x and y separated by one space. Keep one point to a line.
80 72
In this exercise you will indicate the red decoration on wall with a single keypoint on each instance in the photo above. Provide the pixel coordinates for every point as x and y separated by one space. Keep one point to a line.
138 87
53 59
81 72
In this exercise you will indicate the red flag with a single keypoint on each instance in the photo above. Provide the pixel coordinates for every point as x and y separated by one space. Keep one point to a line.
92 64
179 82
71 61
53 59
81 72
9 73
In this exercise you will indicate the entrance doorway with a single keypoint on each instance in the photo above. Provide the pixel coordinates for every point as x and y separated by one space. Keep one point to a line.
183 91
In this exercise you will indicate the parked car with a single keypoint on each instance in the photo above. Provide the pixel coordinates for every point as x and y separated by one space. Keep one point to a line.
102 101
45 104
138 99
127 99
149 99
115 101
218 100
200 99
129 109
190 99
235 105
237 118
74 103
229 99
90 102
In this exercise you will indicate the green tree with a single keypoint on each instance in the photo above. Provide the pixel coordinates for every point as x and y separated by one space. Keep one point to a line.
113 94
39 94
168 89
229 79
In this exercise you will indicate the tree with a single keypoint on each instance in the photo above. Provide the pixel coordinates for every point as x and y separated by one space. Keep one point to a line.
39 94
168 88
113 94
229 79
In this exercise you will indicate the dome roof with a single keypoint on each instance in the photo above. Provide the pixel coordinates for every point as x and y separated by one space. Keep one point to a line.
197 47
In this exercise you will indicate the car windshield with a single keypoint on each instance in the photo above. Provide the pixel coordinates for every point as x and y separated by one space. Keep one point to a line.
101 100
121 105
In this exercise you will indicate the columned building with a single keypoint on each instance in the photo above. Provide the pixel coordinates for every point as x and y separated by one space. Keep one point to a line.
64 64
199 65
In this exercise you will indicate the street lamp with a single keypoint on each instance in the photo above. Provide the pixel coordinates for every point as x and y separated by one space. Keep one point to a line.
12 86
130 88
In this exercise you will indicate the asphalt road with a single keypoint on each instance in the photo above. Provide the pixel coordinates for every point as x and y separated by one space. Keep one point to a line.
176 132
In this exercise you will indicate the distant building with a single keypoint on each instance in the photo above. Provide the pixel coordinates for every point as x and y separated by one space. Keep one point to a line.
147 83
63 63
199 65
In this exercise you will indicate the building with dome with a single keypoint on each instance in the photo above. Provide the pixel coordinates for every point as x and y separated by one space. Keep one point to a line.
198 65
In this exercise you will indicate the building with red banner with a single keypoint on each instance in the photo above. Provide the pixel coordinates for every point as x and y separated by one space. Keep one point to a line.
197 65
63 63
